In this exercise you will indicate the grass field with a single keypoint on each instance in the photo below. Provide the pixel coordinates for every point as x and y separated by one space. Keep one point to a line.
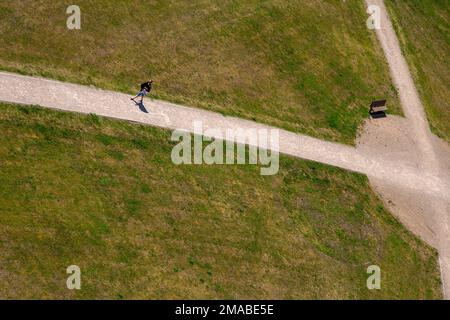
104 195
309 66
423 27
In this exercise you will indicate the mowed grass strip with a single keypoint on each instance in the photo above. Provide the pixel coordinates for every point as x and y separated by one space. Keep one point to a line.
423 27
308 66
105 195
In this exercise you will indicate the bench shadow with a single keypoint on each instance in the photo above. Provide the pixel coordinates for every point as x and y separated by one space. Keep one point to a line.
378 115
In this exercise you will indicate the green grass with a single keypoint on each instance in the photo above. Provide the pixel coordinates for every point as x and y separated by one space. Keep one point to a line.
308 66
104 195
423 27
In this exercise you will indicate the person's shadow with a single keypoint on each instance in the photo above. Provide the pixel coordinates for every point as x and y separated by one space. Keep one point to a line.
141 106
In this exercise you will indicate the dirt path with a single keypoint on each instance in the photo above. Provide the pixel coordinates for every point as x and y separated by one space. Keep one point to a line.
78 98
427 215
405 163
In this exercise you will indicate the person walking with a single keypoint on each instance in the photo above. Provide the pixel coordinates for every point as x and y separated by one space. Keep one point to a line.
146 87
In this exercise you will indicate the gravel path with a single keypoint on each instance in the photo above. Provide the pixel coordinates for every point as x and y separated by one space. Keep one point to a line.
427 153
84 99
408 169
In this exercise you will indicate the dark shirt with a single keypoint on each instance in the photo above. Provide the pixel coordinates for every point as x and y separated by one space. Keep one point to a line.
147 86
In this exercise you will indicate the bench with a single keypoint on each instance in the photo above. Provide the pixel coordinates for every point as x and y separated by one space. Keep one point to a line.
378 107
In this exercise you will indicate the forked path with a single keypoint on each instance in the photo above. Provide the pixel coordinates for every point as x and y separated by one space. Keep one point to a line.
395 174
428 216
84 99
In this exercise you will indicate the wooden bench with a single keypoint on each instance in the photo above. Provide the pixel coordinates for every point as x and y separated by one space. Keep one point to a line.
378 109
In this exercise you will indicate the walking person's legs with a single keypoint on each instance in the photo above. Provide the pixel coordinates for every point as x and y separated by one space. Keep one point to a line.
141 94
135 97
